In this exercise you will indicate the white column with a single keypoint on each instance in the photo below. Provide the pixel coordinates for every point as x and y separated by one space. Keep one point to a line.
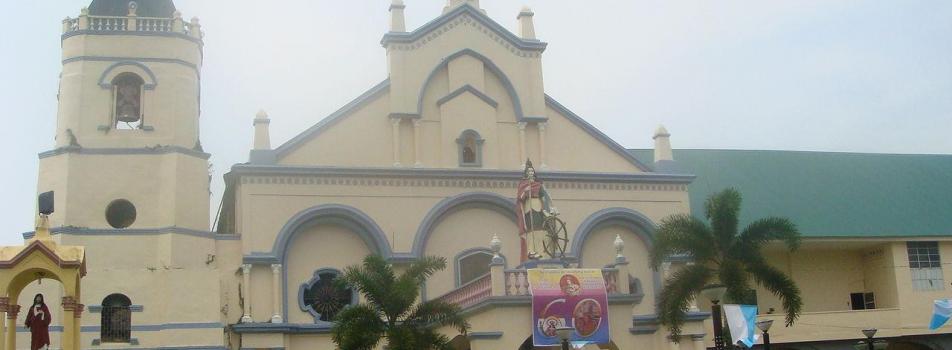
692 307
417 140
396 141
542 144
522 144
276 293
246 286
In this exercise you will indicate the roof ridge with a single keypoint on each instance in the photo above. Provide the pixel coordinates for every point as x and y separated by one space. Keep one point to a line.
801 151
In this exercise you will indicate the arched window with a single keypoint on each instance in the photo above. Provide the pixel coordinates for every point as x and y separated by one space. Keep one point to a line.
323 298
116 319
127 89
472 265
470 149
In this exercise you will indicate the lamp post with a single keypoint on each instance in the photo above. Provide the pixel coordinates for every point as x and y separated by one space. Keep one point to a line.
715 293
869 333
565 333
764 327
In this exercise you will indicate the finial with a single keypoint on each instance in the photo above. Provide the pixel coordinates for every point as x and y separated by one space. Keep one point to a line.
262 139
397 19
84 11
526 26
194 21
133 6
619 248
662 145
496 245
177 14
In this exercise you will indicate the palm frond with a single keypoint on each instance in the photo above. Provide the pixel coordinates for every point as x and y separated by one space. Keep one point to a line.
438 313
769 229
677 293
780 285
722 210
682 234
732 275
358 327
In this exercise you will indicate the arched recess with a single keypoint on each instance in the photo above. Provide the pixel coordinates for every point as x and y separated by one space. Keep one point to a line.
628 219
340 215
488 64
143 71
487 200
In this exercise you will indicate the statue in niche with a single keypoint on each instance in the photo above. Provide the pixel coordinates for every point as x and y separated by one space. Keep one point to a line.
38 322
542 233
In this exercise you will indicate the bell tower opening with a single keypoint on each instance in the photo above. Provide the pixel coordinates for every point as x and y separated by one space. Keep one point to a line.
127 93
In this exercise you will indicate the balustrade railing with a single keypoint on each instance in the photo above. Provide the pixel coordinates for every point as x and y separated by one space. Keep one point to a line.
132 23
108 23
471 293
154 24
514 282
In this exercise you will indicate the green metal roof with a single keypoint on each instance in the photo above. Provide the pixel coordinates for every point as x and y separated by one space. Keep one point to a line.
828 194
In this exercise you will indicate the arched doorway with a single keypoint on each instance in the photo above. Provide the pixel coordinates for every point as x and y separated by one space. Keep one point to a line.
40 259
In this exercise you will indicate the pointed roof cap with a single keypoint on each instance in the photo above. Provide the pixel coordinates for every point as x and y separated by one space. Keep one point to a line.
146 8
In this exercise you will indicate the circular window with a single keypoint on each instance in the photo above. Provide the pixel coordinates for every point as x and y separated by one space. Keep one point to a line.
121 213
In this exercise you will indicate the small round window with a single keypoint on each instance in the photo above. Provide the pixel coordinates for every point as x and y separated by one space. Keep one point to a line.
121 213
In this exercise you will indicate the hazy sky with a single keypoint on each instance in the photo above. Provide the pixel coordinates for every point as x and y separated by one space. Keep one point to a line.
857 76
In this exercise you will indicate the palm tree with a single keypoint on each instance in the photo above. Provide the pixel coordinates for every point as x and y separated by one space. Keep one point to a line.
391 310
721 254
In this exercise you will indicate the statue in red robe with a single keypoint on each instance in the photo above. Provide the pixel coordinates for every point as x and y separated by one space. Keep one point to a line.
533 205
38 321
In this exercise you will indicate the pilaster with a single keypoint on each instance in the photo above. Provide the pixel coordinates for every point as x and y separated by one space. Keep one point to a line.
276 294
246 288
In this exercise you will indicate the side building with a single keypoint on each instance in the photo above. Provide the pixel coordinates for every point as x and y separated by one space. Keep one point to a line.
877 242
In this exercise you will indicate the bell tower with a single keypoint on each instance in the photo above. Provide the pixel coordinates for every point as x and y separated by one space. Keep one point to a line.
127 152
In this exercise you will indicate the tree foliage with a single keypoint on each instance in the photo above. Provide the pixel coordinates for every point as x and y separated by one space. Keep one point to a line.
391 310
723 254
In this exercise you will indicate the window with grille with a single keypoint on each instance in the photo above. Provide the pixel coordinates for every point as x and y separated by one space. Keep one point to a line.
925 266
116 319
323 298
862 301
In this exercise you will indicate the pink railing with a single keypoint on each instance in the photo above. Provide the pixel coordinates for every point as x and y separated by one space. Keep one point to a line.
471 293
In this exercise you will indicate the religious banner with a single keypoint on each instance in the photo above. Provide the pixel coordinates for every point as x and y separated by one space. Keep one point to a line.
574 298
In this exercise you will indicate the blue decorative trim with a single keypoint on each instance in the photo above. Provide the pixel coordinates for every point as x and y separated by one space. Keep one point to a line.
476 174
137 59
467 253
133 33
256 258
461 143
449 205
98 308
126 151
149 84
132 341
484 335
338 214
81 231
307 285
283 328
574 118
344 111
478 15
487 63
634 221
470 89
141 328
405 116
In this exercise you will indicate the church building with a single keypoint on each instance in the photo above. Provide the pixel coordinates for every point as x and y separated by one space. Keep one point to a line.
424 163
